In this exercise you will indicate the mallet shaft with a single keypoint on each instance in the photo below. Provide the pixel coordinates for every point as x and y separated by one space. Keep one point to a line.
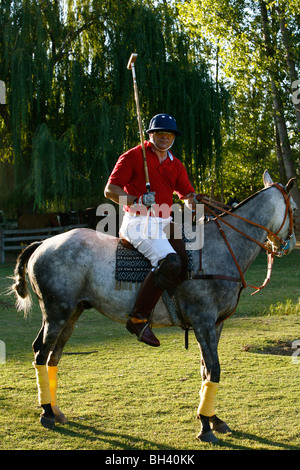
131 67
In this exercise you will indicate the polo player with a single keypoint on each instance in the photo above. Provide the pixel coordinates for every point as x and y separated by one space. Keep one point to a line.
143 227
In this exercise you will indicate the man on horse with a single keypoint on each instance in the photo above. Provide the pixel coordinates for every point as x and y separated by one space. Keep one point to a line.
146 215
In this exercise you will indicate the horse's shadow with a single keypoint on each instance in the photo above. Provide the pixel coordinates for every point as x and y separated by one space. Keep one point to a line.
128 442
264 443
115 440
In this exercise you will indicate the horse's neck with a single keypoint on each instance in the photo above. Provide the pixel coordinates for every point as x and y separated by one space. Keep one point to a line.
261 210
265 209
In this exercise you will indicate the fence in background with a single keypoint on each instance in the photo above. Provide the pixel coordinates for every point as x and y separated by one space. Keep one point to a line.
18 239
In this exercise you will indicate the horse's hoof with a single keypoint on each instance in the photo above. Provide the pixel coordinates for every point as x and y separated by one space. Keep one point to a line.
48 423
59 416
61 419
222 428
218 425
208 437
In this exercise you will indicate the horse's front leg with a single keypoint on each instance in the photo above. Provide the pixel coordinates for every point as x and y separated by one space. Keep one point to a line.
205 332
206 411
216 424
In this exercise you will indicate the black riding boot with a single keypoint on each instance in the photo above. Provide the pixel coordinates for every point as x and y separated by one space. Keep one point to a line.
138 323
164 277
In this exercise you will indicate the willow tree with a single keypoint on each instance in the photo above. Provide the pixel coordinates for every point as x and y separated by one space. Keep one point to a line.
71 110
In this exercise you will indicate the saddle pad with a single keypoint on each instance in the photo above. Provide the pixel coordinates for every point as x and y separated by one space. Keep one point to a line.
131 265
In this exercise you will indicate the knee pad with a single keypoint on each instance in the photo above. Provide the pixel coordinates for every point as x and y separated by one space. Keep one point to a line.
168 272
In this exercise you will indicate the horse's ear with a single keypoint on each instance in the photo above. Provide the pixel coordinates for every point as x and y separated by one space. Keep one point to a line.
290 185
267 179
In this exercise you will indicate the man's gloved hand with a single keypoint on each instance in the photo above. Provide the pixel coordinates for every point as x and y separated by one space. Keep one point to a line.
198 198
147 199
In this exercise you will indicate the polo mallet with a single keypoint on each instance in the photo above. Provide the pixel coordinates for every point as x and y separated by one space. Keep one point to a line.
130 66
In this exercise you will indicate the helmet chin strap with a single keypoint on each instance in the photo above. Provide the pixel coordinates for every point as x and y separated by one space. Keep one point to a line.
161 150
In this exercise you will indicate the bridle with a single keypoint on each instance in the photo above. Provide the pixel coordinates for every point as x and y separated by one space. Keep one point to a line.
282 245
274 246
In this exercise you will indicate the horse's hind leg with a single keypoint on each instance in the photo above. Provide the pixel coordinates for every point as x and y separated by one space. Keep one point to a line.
53 361
54 322
43 344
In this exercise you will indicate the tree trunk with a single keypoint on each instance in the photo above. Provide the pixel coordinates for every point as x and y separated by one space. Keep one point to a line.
278 107
287 41
279 154
282 132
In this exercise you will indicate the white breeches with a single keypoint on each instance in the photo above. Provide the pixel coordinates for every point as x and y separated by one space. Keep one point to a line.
147 235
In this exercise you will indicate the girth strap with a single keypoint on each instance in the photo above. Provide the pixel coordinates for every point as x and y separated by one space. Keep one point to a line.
208 277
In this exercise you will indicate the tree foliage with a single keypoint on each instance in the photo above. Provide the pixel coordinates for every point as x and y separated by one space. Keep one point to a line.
224 69
71 111
258 49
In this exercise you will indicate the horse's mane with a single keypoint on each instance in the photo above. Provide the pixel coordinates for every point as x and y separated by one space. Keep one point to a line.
240 204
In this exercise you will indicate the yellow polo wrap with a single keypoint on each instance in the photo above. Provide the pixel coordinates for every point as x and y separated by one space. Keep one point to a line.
207 398
52 374
42 384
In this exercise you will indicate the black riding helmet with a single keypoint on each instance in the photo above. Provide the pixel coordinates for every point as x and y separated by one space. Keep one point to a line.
163 122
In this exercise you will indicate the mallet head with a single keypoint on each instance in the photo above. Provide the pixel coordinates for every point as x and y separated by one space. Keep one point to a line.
131 61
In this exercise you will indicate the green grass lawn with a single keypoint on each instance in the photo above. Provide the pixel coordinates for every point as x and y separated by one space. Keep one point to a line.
119 394
282 294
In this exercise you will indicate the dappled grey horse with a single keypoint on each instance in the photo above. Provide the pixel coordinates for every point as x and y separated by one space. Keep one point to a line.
76 270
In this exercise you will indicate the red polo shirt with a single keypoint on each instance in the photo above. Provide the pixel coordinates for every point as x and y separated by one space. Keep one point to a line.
165 178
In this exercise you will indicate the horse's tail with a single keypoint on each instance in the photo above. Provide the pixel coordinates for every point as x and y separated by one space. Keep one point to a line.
24 300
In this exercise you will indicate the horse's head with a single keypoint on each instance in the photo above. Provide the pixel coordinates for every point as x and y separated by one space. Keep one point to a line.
284 223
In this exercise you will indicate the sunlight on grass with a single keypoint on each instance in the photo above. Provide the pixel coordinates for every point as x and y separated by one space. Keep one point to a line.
284 308
119 394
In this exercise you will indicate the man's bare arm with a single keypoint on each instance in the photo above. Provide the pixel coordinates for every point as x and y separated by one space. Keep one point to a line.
114 192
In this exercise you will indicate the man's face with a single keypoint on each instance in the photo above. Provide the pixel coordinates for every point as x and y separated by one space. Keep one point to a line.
163 140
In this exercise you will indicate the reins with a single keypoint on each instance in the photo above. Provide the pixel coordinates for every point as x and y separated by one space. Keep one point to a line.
208 204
